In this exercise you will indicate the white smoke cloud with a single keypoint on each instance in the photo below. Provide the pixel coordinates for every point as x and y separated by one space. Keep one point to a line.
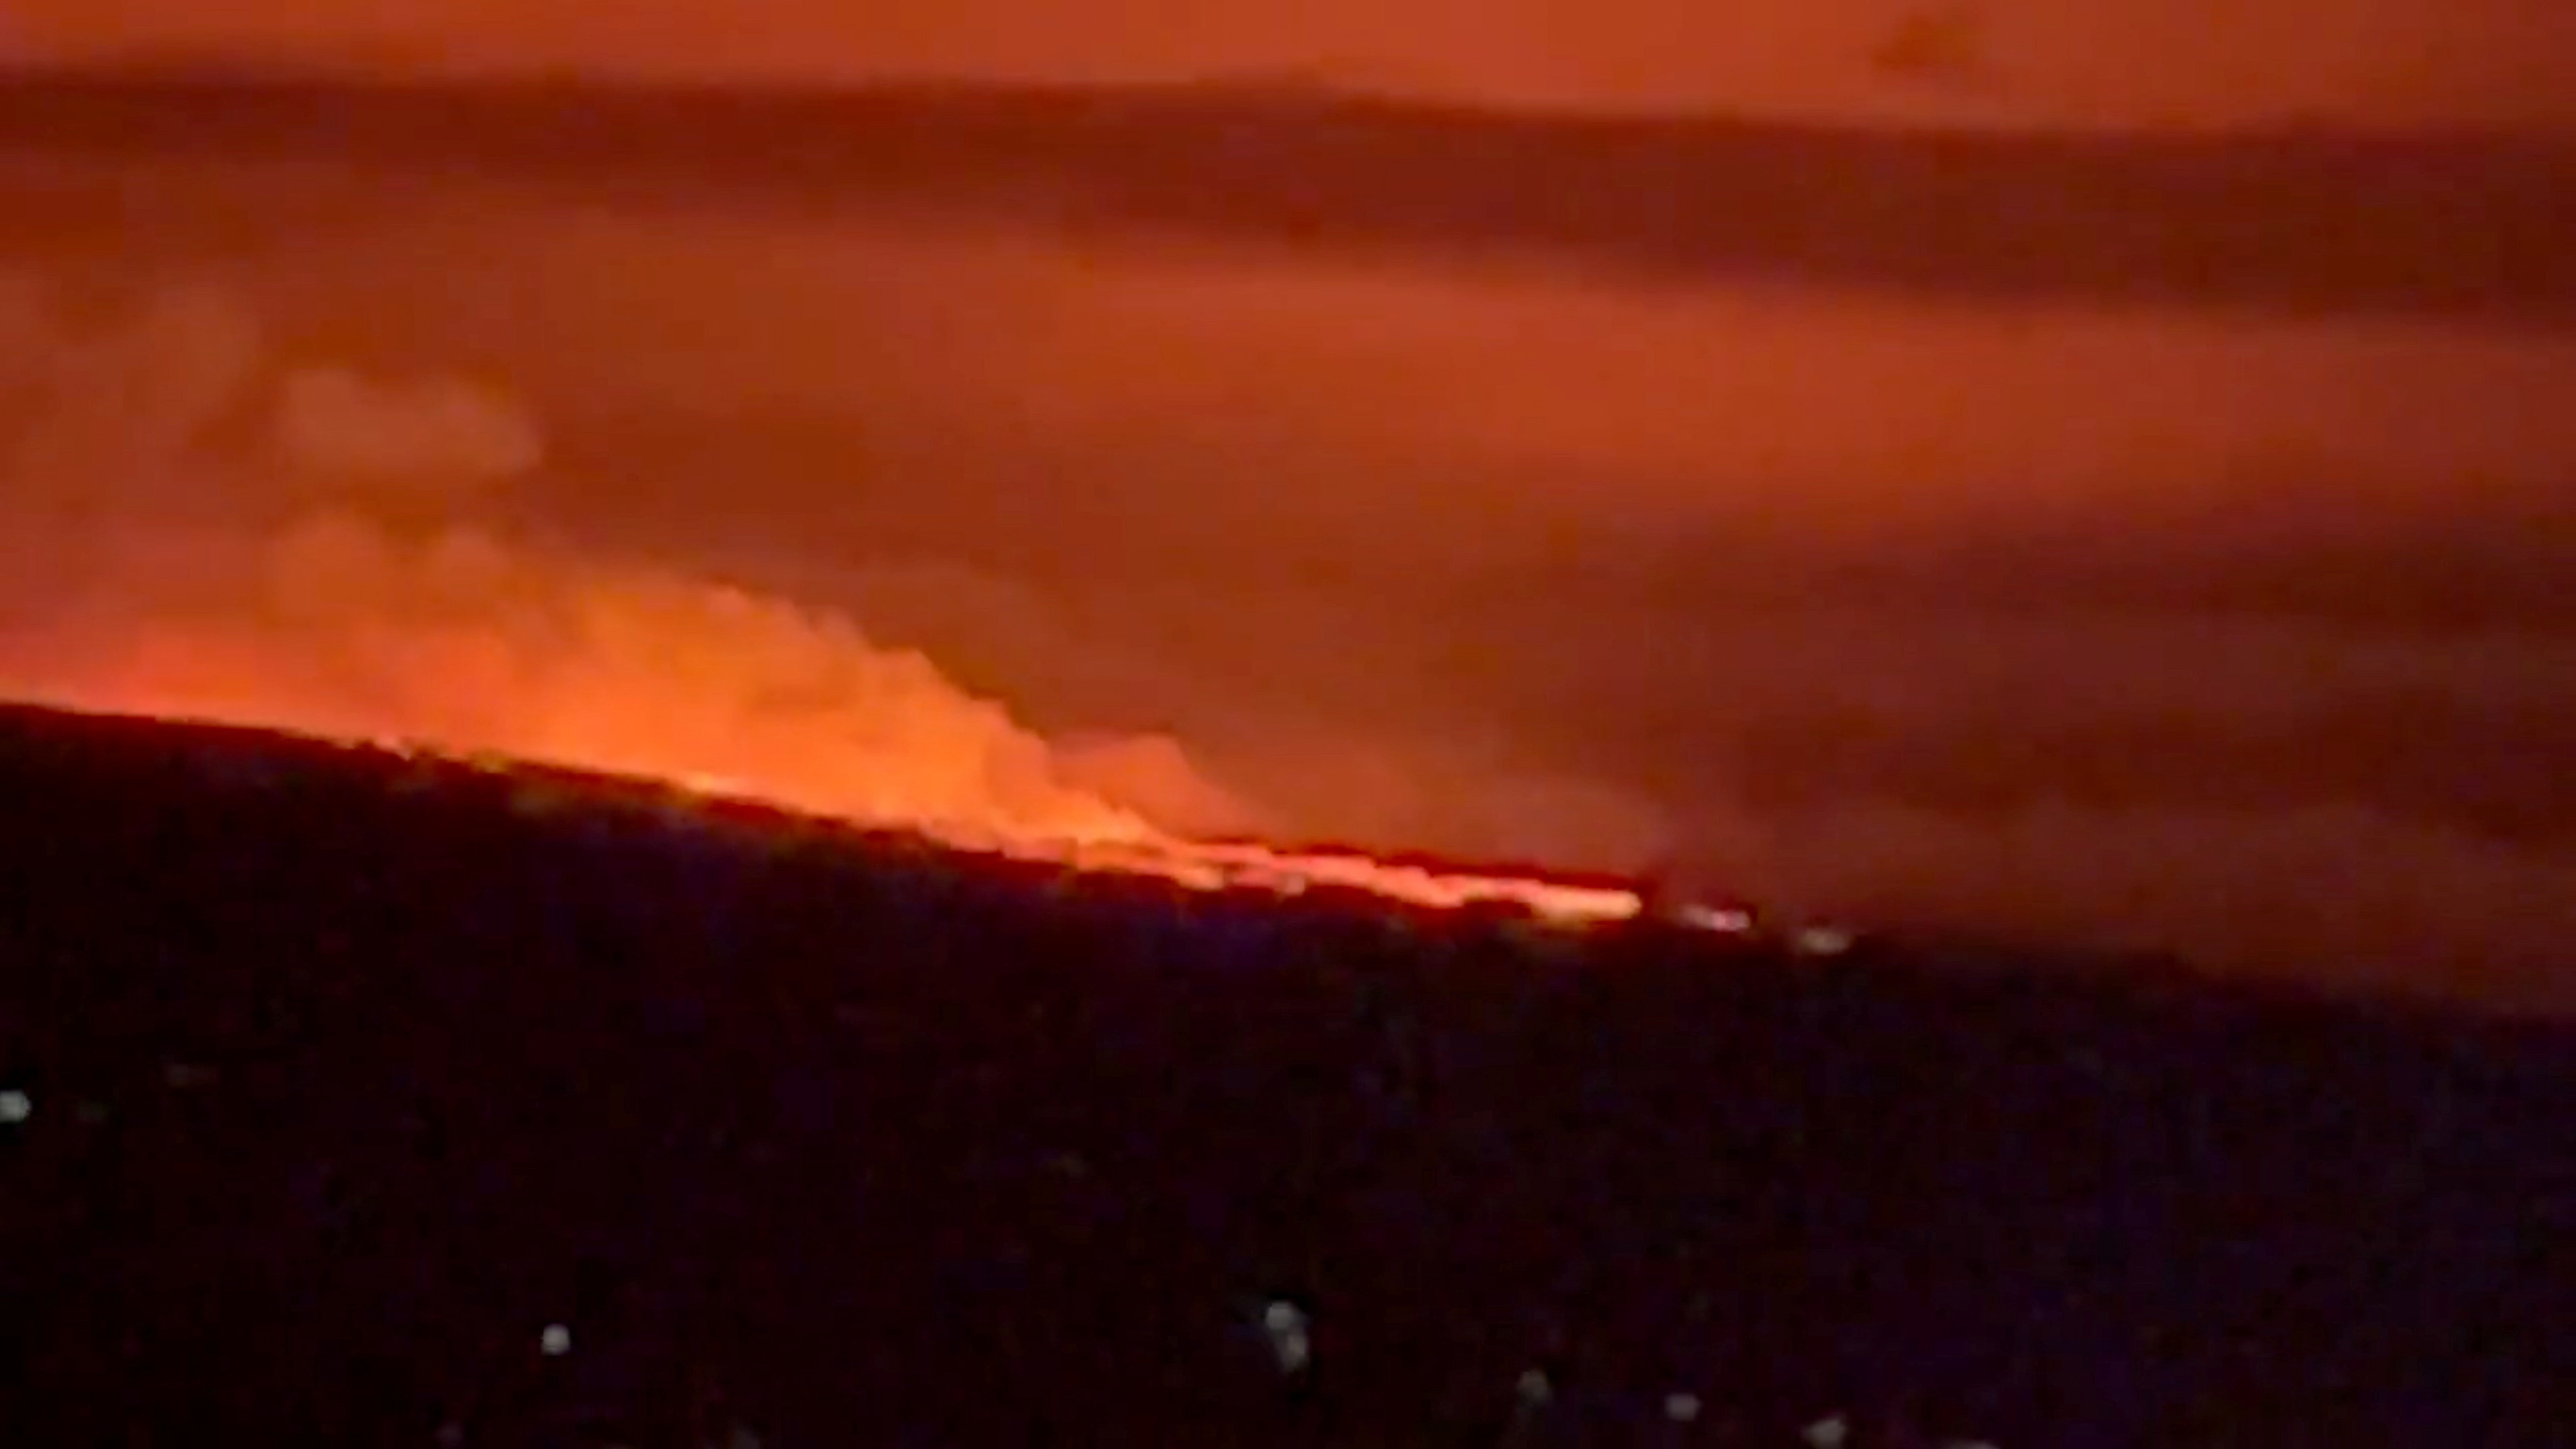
334 421
102 413
1155 775
402 623
438 629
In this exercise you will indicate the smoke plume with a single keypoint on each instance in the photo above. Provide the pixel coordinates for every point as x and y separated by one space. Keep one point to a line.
2246 639
207 527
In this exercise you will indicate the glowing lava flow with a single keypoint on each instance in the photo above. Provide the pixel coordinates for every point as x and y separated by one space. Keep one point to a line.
1104 839
1122 842
470 647
198 528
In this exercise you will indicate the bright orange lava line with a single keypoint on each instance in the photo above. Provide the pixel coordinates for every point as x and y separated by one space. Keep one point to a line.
1207 866
1118 841
469 649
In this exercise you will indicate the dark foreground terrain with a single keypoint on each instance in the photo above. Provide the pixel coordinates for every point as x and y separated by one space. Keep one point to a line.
344 1078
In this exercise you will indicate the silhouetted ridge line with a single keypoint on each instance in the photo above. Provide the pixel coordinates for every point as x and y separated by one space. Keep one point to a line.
353 1098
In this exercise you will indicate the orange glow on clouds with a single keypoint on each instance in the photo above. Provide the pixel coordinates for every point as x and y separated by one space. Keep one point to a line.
2014 62
333 621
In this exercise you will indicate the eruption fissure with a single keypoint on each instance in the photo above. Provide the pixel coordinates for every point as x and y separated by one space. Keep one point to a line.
350 620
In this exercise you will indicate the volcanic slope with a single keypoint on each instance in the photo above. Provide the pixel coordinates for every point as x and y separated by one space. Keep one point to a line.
358 1099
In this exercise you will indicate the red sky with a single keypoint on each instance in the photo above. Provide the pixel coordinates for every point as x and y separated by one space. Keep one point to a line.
2238 631
2122 62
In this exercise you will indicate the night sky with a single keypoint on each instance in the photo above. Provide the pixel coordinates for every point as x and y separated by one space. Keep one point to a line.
2214 599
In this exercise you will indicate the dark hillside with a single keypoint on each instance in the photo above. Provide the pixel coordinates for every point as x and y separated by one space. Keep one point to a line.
348 1076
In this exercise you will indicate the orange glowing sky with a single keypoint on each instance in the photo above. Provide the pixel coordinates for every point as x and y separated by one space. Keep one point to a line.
2235 621
2127 62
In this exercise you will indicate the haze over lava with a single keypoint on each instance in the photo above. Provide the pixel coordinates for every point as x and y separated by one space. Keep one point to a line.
319 568
208 530
2233 621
